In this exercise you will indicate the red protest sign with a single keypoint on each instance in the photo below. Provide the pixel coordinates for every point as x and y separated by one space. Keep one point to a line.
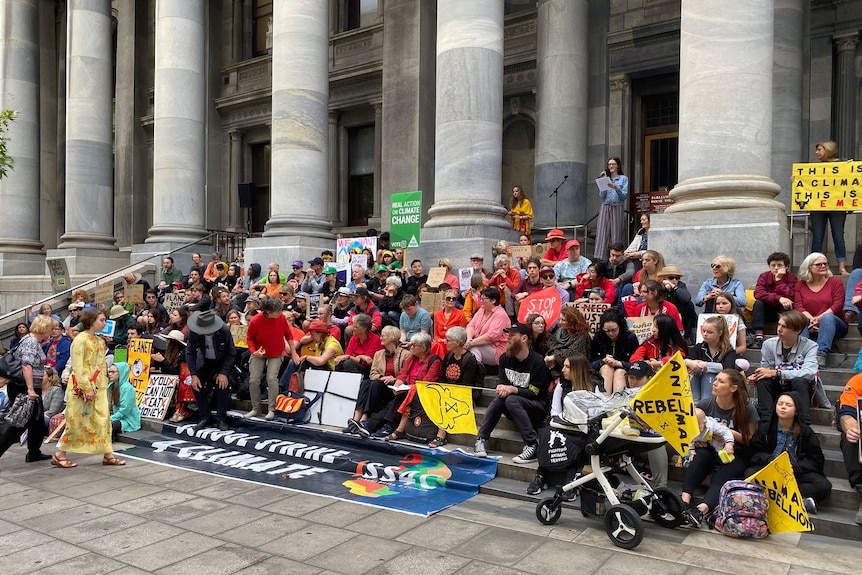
546 302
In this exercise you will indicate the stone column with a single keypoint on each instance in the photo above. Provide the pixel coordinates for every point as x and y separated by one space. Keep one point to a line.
561 118
300 211
378 162
237 28
20 248
469 152
724 202
179 199
334 204
235 213
89 129
126 220
845 93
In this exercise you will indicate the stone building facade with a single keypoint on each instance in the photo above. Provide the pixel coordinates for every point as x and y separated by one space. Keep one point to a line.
144 123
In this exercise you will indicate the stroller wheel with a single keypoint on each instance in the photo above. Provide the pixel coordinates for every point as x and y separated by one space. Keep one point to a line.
548 511
667 508
624 526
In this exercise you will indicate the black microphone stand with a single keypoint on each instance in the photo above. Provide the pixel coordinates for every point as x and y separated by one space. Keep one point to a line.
556 195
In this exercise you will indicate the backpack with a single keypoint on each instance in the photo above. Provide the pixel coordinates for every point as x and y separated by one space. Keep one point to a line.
741 510
419 428
294 408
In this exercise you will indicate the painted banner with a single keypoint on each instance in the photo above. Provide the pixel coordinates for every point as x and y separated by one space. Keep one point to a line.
593 312
239 334
172 301
405 220
732 326
545 302
345 248
786 511
827 186
665 404
156 400
641 327
450 407
139 365
385 474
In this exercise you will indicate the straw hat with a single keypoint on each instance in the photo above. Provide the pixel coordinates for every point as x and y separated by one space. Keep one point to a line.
670 271
117 312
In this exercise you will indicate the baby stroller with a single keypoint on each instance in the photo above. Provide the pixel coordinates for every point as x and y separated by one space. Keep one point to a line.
610 454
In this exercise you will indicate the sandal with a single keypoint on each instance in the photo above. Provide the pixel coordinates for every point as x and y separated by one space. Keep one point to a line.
438 442
178 417
395 435
112 460
63 462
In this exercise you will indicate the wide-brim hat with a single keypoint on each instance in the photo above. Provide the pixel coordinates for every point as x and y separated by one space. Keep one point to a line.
159 344
555 234
670 271
117 312
136 277
205 322
175 335
344 291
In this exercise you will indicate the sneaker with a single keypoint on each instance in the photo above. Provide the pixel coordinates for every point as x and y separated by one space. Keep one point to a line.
383 431
270 415
569 496
479 448
527 455
203 424
851 316
758 342
348 429
693 516
537 485
252 413
810 505
822 357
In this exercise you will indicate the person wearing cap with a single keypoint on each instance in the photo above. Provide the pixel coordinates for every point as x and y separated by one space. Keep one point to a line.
252 308
557 251
522 394
485 336
362 304
267 333
477 260
134 278
331 284
121 330
521 211
319 353
314 278
222 279
773 293
300 310
178 287
638 375
677 293
210 273
210 355
297 269
387 257
327 256
571 267
75 311
341 306
377 284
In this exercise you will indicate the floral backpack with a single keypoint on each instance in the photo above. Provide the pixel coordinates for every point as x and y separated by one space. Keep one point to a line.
741 510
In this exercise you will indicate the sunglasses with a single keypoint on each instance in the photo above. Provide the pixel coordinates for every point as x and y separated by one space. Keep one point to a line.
673 277
451 299
715 266
820 264
548 276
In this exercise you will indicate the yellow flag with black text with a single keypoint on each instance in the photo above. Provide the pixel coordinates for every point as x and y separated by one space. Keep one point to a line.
786 511
450 407
665 404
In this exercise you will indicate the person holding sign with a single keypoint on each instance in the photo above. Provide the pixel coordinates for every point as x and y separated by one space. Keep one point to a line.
848 425
828 152
521 211
662 344
712 355
729 405
786 431
611 349
611 225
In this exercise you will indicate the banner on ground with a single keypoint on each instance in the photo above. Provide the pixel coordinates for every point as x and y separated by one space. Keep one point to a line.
641 327
593 312
392 475
156 400
345 248
827 186
405 220
732 326
450 407
665 404
786 511
139 365
545 302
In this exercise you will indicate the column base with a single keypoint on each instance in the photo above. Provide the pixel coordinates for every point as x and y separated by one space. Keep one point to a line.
22 264
691 240
84 262
725 192
285 249
156 251
88 241
458 242
293 226
466 212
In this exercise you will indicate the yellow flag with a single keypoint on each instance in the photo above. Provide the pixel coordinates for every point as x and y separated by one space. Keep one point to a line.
786 512
665 404
448 406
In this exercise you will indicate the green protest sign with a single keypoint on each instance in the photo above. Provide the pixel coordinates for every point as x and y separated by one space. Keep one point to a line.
405 220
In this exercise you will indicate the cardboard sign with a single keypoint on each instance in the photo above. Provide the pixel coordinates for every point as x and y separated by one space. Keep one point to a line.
139 365
665 404
157 398
545 302
104 295
134 293
432 302
59 274
172 301
464 277
592 312
786 511
240 335
827 186
540 249
347 247
313 305
732 326
436 276
641 327
520 251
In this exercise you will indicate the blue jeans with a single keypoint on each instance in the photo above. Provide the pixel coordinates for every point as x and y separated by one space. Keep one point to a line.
831 326
818 232
855 278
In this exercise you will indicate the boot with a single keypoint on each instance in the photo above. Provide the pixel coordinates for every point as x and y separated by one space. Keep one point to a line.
859 513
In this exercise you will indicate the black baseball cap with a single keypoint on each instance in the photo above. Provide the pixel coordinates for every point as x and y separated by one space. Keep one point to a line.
640 369
521 328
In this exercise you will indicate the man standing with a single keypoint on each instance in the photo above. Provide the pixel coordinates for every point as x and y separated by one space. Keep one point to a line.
848 425
210 354
170 273
574 265
267 333
522 394
788 363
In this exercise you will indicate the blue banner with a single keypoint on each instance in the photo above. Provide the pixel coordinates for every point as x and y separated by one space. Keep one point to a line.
391 475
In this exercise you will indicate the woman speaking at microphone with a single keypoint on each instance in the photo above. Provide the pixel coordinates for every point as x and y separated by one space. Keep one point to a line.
611 226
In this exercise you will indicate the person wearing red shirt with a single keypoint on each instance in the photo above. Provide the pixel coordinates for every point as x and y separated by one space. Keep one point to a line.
654 303
773 293
267 333
820 298
361 347
362 303
556 253
449 316
505 276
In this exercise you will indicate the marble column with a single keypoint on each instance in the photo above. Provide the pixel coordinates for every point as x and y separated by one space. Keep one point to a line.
378 162
20 247
89 128
561 118
845 93
237 35
179 197
334 204
724 202
300 211
469 135
236 222
127 225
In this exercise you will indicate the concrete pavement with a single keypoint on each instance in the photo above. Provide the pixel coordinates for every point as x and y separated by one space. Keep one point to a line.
146 518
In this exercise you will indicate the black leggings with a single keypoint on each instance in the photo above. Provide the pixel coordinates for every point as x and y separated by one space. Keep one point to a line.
35 427
706 461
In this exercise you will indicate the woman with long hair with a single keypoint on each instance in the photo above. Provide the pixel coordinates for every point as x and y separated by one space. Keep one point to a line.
828 152
820 297
540 338
571 336
611 349
595 278
726 305
709 357
664 342
652 263
521 211
611 225
655 303
52 395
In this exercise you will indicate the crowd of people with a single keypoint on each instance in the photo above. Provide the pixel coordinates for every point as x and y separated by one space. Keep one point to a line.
374 324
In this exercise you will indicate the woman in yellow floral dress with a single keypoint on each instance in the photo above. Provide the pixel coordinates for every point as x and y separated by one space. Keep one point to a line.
88 417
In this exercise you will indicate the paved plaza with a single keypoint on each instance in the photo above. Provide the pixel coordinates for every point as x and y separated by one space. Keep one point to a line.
147 518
